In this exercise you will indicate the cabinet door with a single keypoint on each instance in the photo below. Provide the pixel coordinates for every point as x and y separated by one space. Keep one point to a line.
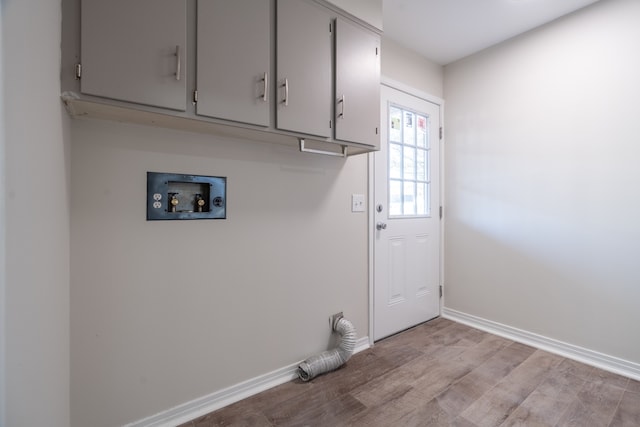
135 51
357 84
304 64
234 52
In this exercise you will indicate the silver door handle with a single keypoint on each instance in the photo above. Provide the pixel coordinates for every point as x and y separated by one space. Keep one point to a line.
342 109
286 92
265 88
381 226
178 62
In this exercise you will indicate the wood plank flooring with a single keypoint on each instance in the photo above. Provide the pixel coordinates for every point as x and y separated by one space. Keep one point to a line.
442 373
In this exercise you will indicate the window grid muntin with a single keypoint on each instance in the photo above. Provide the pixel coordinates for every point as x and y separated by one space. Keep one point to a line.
402 183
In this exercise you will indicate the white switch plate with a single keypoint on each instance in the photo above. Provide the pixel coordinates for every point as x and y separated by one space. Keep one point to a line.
357 203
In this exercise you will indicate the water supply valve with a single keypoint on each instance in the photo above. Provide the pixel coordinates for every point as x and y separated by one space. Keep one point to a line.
200 202
173 201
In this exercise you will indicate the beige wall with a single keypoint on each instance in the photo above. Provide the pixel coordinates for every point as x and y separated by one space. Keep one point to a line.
542 176
166 312
35 282
408 67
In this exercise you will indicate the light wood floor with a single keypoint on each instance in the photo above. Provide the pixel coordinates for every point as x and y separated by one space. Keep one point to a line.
443 373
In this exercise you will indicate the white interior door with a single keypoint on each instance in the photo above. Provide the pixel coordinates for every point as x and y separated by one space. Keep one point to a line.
407 214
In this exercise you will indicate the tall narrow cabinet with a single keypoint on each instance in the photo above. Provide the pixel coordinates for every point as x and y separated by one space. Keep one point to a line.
357 84
234 60
304 68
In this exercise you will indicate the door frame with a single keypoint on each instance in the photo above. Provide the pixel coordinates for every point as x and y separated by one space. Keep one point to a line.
394 84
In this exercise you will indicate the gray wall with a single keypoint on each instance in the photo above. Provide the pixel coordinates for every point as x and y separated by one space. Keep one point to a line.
542 180
369 11
35 217
408 67
165 312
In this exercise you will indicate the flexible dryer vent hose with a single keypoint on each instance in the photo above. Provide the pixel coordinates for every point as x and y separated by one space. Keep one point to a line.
331 359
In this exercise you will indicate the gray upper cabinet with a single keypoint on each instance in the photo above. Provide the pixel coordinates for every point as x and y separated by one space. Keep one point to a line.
357 84
135 51
304 68
273 70
234 60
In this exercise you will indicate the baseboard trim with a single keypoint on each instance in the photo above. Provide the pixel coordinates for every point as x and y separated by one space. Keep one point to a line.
570 351
203 405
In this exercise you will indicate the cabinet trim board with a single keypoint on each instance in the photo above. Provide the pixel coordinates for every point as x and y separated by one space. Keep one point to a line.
78 107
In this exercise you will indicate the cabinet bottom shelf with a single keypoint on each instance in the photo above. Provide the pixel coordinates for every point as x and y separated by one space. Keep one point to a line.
80 107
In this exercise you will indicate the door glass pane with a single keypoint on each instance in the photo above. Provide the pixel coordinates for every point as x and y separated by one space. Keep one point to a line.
421 166
421 132
409 128
395 161
395 197
409 163
395 124
409 174
421 199
409 198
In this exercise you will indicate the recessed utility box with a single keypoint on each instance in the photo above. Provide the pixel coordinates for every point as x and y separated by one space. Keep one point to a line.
177 196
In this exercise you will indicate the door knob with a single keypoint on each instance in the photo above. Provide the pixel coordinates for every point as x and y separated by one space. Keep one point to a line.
381 226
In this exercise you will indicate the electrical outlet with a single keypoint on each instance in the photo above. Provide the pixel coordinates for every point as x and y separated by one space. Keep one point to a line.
357 203
334 319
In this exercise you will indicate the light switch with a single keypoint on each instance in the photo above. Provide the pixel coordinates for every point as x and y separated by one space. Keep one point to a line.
357 203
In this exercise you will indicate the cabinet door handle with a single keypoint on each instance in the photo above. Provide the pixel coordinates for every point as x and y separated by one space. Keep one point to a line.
342 109
286 92
265 88
178 62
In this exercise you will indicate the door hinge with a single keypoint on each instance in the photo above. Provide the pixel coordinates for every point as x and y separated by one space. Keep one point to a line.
441 132
440 212
376 51
330 124
195 96
440 291
78 71
330 30
376 130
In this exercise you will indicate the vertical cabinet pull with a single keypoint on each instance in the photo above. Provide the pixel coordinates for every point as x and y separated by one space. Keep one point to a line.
265 87
342 107
178 62
285 101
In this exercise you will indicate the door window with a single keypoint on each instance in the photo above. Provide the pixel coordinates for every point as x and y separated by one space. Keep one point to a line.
409 174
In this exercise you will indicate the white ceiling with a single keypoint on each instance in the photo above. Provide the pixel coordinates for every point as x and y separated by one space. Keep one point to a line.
447 30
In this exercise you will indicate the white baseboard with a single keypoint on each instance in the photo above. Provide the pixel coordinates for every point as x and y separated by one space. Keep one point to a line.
570 351
203 405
